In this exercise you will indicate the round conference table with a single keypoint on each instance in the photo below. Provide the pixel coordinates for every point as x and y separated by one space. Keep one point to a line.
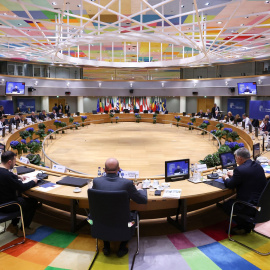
193 196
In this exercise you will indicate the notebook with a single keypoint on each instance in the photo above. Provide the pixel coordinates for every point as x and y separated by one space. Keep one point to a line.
73 181
216 183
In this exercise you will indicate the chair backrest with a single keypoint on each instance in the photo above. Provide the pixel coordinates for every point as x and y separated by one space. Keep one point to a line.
110 213
264 203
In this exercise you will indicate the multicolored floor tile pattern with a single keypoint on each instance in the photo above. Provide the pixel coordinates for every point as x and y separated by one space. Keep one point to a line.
207 248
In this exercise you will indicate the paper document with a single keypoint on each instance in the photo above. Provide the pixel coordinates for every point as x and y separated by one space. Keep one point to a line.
31 176
172 193
47 187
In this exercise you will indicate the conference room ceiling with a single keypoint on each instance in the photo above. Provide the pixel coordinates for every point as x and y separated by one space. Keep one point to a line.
134 33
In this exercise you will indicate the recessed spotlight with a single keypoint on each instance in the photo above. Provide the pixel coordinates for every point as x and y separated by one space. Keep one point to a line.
93 0
242 24
182 6
246 17
219 22
54 4
19 24
207 4
78 5
267 2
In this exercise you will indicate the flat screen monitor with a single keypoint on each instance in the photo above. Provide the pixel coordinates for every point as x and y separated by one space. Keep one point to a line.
193 114
117 111
256 150
156 112
176 170
184 113
136 111
247 88
145 111
227 160
15 88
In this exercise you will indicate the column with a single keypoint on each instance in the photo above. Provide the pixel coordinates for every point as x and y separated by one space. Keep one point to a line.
8 97
45 103
253 98
80 104
183 104
217 100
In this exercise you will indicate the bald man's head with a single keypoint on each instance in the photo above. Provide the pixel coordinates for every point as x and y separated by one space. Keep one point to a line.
111 165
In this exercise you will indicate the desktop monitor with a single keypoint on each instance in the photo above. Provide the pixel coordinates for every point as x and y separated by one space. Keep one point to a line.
68 114
184 113
256 151
117 111
2 147
243 124
78 113
156 112
235 121
193 114
106 111
176 170
145 111
126 110
247 88
227 160
15 88
10 128
136 110
250 128
94 111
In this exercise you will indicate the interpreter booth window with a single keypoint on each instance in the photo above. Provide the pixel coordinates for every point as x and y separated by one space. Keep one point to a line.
37 72
19 70
11 69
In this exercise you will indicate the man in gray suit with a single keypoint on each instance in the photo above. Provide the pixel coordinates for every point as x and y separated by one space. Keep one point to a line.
111 182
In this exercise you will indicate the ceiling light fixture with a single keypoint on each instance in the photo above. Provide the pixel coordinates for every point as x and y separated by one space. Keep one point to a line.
219 22
207 4
182 6
78 5
54 4
99 84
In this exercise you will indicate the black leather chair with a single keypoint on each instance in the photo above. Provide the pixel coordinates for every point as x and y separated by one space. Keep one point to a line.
4 217
111 219
262 215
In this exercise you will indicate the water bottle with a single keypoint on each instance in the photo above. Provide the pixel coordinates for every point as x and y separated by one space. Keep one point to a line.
192 169
99 172
0 155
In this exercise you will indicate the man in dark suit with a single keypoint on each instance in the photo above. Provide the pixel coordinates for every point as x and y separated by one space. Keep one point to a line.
55 108
15 119
266 127
3 122
53 115
214 109
111 182
208 114
67 108
33 117
42 116
200 113
249 180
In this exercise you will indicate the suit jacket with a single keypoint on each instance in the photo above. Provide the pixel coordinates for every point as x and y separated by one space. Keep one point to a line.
53 116
13 121
266 127
200 114
111 182
42 116
215 109
249 181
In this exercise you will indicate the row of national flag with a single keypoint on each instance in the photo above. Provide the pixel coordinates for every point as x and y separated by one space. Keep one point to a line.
131 103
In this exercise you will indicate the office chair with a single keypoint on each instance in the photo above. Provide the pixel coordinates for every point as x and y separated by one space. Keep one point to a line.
262 215
4 217
110 218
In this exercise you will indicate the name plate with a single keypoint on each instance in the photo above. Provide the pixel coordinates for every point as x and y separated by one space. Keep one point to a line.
24 160
129 174
59 168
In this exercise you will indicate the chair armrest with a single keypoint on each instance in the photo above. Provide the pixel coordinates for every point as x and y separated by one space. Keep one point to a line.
247 204
8 204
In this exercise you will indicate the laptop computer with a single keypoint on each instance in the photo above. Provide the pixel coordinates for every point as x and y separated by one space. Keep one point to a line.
73 181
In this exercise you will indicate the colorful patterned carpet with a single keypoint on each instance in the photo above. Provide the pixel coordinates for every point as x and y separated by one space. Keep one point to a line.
207 248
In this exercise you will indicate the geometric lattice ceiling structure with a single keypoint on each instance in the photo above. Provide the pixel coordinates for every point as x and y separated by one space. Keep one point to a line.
134 33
